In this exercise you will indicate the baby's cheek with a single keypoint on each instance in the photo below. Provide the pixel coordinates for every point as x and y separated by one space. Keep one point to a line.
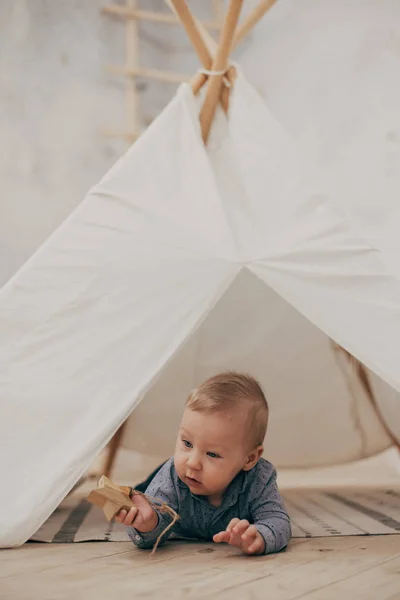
220 474
179 463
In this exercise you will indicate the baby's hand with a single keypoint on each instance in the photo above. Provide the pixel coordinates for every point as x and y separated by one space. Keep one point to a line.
243 535
141 516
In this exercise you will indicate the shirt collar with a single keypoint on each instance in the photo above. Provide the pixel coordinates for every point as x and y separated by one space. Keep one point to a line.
236 487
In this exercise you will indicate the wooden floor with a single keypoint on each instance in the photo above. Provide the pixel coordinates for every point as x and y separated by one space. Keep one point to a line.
347 568
336 568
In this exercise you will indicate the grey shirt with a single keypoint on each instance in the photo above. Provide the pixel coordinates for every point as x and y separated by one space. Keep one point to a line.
252 495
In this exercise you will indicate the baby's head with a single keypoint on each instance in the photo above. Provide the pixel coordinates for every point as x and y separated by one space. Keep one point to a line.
221 433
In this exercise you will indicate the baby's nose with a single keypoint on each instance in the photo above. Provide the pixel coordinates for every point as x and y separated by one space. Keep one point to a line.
194 462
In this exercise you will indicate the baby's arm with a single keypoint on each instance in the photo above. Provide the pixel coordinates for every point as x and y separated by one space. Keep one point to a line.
269 515
268 529
161 488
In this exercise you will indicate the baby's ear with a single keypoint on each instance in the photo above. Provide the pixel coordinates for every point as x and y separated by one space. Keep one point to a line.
253 458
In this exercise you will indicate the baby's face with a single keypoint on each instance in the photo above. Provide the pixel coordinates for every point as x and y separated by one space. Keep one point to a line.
210 451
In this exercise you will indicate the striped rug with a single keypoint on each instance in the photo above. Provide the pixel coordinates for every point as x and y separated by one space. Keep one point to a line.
313 514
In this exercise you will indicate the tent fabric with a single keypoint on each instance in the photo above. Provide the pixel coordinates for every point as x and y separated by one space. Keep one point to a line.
340 105
103 307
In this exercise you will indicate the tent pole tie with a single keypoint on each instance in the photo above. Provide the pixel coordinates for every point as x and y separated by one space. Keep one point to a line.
211 73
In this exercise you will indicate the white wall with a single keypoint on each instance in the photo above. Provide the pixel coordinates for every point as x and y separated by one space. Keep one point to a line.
54 102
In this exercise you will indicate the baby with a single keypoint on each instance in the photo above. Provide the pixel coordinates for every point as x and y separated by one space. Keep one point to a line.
217 481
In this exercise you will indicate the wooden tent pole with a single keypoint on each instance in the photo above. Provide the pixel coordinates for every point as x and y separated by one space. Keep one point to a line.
195 31
219 65
132 70
362 374
204 46
202 42
249 22
113 447
230 75
191 27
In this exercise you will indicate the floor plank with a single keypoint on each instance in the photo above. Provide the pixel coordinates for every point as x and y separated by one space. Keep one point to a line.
383 580
319 568
311 569
42 557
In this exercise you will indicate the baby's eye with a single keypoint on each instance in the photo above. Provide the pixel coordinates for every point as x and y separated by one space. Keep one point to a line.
187 443
213 455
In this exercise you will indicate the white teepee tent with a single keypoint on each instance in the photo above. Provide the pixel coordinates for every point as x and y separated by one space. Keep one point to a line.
181 261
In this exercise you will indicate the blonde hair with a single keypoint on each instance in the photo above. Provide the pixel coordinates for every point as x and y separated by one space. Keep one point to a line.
231 389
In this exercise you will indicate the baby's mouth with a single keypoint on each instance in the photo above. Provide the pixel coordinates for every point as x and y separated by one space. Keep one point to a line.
192 481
